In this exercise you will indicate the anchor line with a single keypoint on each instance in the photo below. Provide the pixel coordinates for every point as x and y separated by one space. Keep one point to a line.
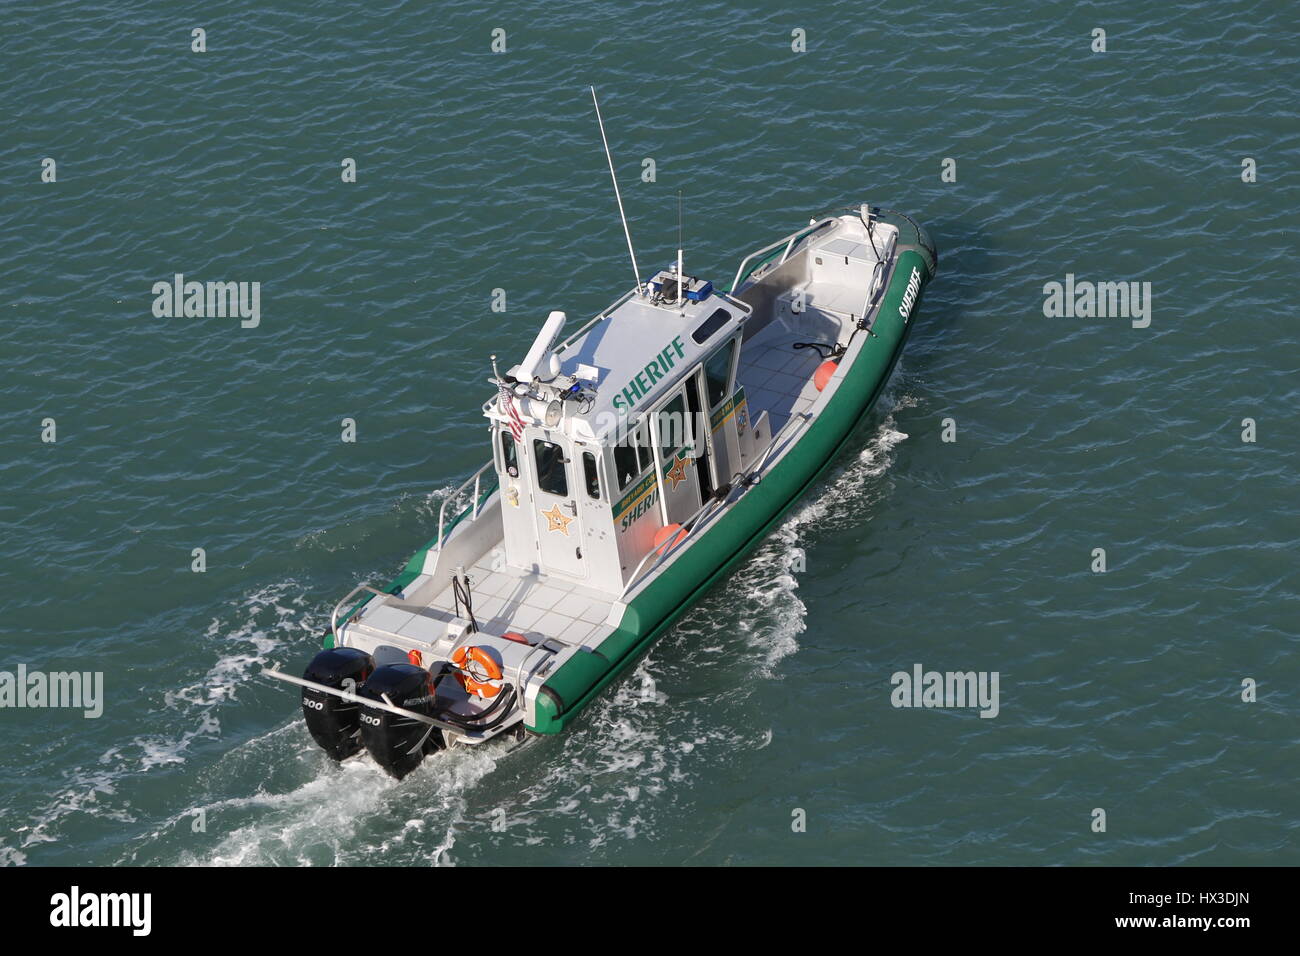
833 350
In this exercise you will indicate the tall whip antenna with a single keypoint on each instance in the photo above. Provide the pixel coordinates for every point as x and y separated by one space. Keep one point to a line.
681 289
617 196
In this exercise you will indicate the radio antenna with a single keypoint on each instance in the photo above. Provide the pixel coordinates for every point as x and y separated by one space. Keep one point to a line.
619 198
681 289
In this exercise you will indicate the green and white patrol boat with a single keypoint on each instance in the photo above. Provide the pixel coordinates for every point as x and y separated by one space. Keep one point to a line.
633 463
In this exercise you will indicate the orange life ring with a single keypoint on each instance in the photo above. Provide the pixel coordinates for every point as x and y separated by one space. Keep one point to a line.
477 669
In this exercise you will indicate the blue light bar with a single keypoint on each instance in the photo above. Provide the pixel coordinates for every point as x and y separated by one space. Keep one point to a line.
700 294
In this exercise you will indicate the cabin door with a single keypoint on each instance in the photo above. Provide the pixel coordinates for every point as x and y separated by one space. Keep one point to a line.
703 451
674 441
555 486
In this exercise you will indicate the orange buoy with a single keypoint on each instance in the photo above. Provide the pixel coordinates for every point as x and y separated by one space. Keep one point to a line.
414 657
478 671
664 539
516 637
824 373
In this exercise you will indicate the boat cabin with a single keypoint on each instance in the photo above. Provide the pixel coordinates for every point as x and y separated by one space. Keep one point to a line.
622 431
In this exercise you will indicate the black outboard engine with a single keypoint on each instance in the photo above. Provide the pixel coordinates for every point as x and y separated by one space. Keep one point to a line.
398 743
335 723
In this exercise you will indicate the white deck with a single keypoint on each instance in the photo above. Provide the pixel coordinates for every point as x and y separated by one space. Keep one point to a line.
842 276
538 607
508 599
778 377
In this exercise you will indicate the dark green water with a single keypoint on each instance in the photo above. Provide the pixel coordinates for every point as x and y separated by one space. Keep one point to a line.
1119 690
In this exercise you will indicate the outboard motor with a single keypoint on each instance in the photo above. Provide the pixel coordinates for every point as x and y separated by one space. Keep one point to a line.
398 743
335 723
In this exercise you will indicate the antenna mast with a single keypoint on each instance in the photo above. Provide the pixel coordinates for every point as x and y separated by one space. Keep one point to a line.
619 198
681 289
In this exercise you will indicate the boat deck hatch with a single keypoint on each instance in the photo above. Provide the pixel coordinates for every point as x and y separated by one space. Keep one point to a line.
849 249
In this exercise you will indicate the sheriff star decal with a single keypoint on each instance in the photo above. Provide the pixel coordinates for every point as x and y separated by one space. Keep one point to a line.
677 473
556 520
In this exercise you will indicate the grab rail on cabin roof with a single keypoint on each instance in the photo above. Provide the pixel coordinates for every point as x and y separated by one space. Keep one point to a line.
603 314
609 310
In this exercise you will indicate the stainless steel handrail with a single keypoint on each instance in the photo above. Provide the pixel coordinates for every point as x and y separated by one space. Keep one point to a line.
664 550
792 427
477 478
789 243
604 314
334 615
876 284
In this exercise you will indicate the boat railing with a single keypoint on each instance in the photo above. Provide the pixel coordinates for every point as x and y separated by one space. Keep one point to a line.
792 427
787 241
609 310
334 615
745 270
903 223
603 314
919 236
476 502
664 550
472 510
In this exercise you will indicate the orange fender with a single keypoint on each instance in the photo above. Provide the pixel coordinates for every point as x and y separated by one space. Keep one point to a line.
824 373
664 540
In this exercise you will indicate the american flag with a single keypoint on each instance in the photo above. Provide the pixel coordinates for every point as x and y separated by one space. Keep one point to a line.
512 415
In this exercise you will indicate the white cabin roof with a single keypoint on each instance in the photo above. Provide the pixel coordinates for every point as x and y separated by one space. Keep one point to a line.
633 356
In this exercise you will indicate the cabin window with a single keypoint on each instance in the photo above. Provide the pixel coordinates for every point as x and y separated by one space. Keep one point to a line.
643 454
552 477
717 373
589 473
509 454
706 329
625 463
672 428
631 456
